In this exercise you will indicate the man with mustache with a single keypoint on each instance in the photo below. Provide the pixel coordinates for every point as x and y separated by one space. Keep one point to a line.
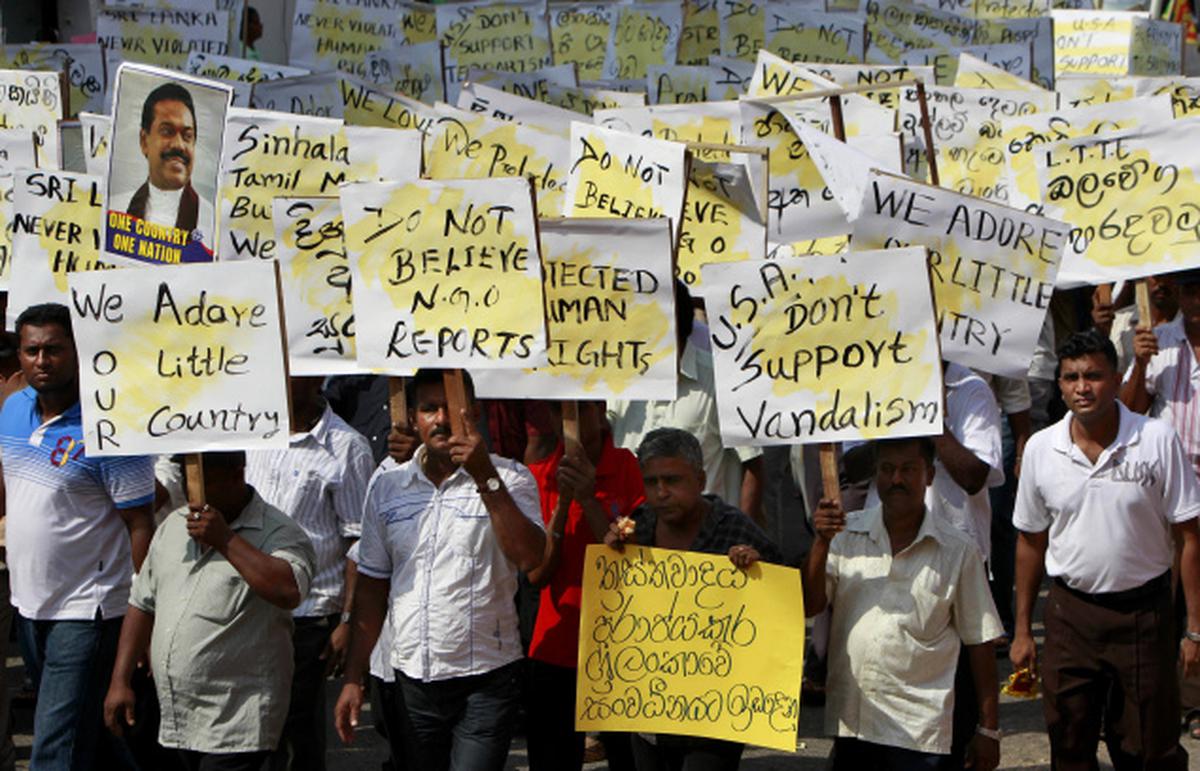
907 588
443 537
168 140
1103 494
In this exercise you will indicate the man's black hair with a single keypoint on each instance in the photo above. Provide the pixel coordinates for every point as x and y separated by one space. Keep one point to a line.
924 444
45 314
167 92
428 376
1084 343
685 314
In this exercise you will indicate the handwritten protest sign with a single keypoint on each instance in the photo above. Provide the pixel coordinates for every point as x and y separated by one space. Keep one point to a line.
271 154
580 99
579 32
530 84
685 643
33 101
700 36
609 314
896 27
1092 43
56 218
845 168
1132 200
883 74
318 94
163 37
680 84
774 76
1014 58
445 274
414 70
642 35
800 34
741 26
725 215
315 278
83 64
974 72
363 105
510 36
241 70
1038 33
466 145
732 77
6 230
18 149
181 359
825 349
616 174
993 267
1025 136
96 130
339 34
1156 48
705 122
479 97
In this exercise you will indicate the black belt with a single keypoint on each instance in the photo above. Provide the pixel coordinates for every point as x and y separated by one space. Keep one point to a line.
1151 588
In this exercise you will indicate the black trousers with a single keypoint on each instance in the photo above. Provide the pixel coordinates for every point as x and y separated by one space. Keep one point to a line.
302 746
233 761
685 753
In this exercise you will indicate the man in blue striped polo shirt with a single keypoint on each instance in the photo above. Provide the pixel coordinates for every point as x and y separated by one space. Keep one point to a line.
78 528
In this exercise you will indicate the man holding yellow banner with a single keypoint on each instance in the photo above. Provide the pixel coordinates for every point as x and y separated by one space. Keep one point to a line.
905 588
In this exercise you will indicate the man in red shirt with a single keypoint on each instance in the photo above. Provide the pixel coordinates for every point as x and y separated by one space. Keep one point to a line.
583 489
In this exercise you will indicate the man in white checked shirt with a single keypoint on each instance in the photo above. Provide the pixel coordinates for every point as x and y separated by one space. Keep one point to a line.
319 481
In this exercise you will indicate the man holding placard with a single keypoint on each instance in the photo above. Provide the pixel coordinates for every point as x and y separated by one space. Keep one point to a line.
678 514
77 528
443 538
1102 495
907 590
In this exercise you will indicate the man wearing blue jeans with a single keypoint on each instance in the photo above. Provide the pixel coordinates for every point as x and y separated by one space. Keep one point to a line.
77 529
443 537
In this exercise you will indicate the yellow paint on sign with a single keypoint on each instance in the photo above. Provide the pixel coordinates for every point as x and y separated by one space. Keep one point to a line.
729 669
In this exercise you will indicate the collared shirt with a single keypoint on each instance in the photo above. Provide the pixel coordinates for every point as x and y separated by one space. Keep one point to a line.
895 631
1109 522
362 401
452 586
68 547
319 481
619 490
1173 381
694 411
723 528
973 418
1124 328
220 653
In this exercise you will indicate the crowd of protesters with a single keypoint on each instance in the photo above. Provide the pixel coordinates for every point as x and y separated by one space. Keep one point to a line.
437 572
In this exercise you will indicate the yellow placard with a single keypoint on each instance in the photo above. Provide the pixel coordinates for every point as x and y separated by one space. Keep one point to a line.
162 37
701 36
815 36
643 36
579 33
445 273
684 643
1092 42
742 29
465 145
724 219
508 37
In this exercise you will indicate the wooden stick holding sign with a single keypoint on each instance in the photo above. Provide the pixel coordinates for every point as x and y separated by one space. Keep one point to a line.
456 400
1145 319
570 424
397 403
193 468
927 130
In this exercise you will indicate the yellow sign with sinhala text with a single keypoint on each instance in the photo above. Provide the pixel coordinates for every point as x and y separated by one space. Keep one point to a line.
683 643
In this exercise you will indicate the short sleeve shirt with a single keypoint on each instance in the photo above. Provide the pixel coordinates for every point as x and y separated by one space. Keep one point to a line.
1110 522
723 528
221 654
619 491
1173 380
68 547
896 627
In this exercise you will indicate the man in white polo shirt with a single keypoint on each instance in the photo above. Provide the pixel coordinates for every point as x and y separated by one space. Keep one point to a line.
77 529
1101 494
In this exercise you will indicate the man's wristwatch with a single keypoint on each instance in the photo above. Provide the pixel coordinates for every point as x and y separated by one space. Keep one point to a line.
490 485
990 733
345 617
1193 636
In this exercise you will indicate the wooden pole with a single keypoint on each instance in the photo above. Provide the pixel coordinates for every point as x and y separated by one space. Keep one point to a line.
1145 319
821 93
193 467
397 402
836 117
570 424
927 131
831 487
456 400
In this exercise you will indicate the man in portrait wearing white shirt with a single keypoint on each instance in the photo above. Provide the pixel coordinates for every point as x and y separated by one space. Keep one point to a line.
443 537
167 138
1103 493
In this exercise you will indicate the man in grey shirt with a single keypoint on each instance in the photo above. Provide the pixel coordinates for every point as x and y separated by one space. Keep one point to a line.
220 580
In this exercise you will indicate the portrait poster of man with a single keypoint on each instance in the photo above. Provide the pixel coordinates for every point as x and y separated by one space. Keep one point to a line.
164 161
